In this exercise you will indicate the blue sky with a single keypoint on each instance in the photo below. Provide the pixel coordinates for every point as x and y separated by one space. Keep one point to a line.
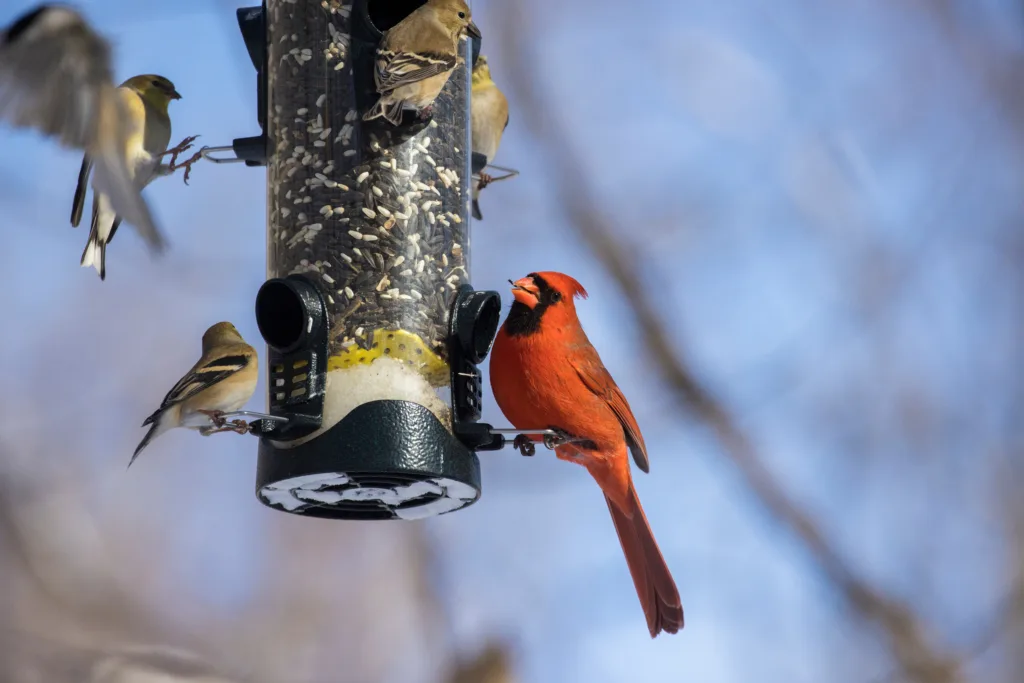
781 169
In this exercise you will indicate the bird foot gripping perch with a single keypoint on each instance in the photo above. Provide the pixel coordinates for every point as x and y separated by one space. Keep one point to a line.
256 427
486 179
179 149
551 438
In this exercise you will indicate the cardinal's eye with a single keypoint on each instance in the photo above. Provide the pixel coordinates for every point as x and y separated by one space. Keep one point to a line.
556 296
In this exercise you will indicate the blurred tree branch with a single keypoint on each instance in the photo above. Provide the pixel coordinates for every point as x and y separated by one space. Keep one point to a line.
903 631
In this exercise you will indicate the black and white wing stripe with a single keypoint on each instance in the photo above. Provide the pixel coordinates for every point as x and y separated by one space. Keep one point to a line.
53 71
201 377
395 69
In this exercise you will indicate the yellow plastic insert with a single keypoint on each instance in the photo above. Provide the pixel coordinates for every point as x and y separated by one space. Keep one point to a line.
400 345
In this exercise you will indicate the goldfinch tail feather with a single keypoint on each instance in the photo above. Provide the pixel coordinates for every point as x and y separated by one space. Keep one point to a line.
95 254
160 423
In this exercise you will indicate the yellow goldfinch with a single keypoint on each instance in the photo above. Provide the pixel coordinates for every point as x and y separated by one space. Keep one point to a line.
55 77
146 99
416 57
221 382
488 120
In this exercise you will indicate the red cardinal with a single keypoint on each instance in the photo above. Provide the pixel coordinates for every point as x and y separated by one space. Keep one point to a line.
545 374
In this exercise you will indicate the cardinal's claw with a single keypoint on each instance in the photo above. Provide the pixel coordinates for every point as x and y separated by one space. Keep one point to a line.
524 445
559 438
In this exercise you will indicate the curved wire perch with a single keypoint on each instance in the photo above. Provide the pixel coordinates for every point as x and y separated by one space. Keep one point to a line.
254 426
206 152
258 416
509 173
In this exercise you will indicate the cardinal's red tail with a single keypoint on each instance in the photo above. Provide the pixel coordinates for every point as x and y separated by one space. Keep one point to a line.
654 584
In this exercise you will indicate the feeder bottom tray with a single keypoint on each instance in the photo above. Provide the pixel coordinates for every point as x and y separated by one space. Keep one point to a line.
385 460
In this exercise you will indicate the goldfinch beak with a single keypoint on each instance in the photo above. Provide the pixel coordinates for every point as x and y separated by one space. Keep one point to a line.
175 95
472 30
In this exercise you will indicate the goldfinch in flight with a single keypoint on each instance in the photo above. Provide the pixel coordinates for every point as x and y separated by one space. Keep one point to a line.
416 57
146 98
56 77
221 382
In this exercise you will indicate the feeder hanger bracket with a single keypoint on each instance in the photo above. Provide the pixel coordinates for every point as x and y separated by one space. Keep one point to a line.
252 21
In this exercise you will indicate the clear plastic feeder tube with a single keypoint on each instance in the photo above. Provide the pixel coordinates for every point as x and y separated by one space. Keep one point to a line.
376 214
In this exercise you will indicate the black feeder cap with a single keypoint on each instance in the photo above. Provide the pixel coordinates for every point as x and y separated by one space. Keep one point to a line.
387 459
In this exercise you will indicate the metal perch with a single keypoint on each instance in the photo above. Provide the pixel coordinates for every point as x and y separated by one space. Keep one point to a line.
206 153
525 445
509 173
254 427
258 416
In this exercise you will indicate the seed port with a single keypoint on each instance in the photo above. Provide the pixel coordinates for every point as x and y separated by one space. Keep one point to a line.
291 316
386 14
485 325
280 316
472 328
475 322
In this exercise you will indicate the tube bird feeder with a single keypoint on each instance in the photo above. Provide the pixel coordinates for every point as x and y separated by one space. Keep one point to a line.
373 330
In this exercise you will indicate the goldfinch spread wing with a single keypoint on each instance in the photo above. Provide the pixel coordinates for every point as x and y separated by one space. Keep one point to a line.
56 77
53 71
204 375
395 69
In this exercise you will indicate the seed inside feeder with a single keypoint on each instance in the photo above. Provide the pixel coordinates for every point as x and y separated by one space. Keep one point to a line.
377 207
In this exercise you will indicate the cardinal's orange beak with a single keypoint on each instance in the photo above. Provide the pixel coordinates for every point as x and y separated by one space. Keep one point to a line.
525 291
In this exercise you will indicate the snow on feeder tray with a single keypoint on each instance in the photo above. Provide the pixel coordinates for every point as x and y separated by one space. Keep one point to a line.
368 258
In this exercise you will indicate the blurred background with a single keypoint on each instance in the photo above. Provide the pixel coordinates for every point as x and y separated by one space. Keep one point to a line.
799 224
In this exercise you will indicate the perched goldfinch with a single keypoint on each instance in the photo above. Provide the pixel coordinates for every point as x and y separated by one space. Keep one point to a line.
221 382
416 57
488 120
55 77
146 98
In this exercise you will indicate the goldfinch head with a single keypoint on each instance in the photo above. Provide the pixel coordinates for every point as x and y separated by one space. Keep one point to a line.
455 15
156 90
221 333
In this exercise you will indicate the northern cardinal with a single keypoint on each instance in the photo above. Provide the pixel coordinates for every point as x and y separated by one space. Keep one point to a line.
545 374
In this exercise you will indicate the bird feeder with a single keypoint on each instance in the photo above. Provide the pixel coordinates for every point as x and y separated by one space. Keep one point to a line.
373 330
